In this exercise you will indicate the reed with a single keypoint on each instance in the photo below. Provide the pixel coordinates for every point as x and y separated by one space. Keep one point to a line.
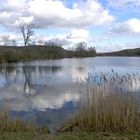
111 103
17 125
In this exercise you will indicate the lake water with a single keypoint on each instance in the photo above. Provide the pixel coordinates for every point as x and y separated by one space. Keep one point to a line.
47 91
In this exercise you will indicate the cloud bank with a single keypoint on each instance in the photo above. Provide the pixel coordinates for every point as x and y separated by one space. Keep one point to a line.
77 20
53 13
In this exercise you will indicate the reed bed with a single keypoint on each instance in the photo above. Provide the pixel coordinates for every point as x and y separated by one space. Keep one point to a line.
17 125
111 103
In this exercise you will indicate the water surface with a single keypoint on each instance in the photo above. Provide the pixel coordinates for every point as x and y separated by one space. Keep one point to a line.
47 91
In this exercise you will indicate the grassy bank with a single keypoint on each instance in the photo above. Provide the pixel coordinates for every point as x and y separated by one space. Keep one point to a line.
16 54
112 105
19 130
67 136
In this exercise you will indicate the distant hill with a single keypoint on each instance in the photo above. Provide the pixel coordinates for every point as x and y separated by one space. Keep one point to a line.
127 52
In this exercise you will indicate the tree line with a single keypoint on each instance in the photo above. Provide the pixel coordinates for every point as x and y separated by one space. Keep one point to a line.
10 52
38 52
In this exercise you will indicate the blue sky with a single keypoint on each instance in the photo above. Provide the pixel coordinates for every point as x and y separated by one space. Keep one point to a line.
109 25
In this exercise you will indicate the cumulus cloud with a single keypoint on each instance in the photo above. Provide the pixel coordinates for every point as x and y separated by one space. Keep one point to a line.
68 39
9 5
50 13
9 38
131 26
81 33
134 25
124 3
11 11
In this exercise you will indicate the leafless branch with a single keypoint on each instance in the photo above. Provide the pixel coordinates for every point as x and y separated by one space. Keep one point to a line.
27 31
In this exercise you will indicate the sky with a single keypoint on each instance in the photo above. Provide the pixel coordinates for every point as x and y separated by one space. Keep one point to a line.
107 25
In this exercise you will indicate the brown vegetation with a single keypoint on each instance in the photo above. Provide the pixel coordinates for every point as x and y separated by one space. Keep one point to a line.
17 125
112 104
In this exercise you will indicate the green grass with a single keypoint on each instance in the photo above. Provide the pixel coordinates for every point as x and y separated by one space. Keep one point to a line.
67 136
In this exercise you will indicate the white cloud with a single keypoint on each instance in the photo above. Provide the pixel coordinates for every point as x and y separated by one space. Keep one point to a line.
80 33
131 26
82 14
134 25
26 20
11 11
124 3
68 39
55 14
5 18
50 13
117 47
11 38
14 5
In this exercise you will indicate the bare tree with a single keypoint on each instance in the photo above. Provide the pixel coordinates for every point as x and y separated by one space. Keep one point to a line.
27 31
5 39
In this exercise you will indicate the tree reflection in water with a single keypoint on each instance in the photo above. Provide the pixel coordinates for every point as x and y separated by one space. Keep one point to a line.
36 78
29 88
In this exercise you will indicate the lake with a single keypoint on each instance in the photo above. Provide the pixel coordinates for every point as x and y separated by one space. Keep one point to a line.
48 91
